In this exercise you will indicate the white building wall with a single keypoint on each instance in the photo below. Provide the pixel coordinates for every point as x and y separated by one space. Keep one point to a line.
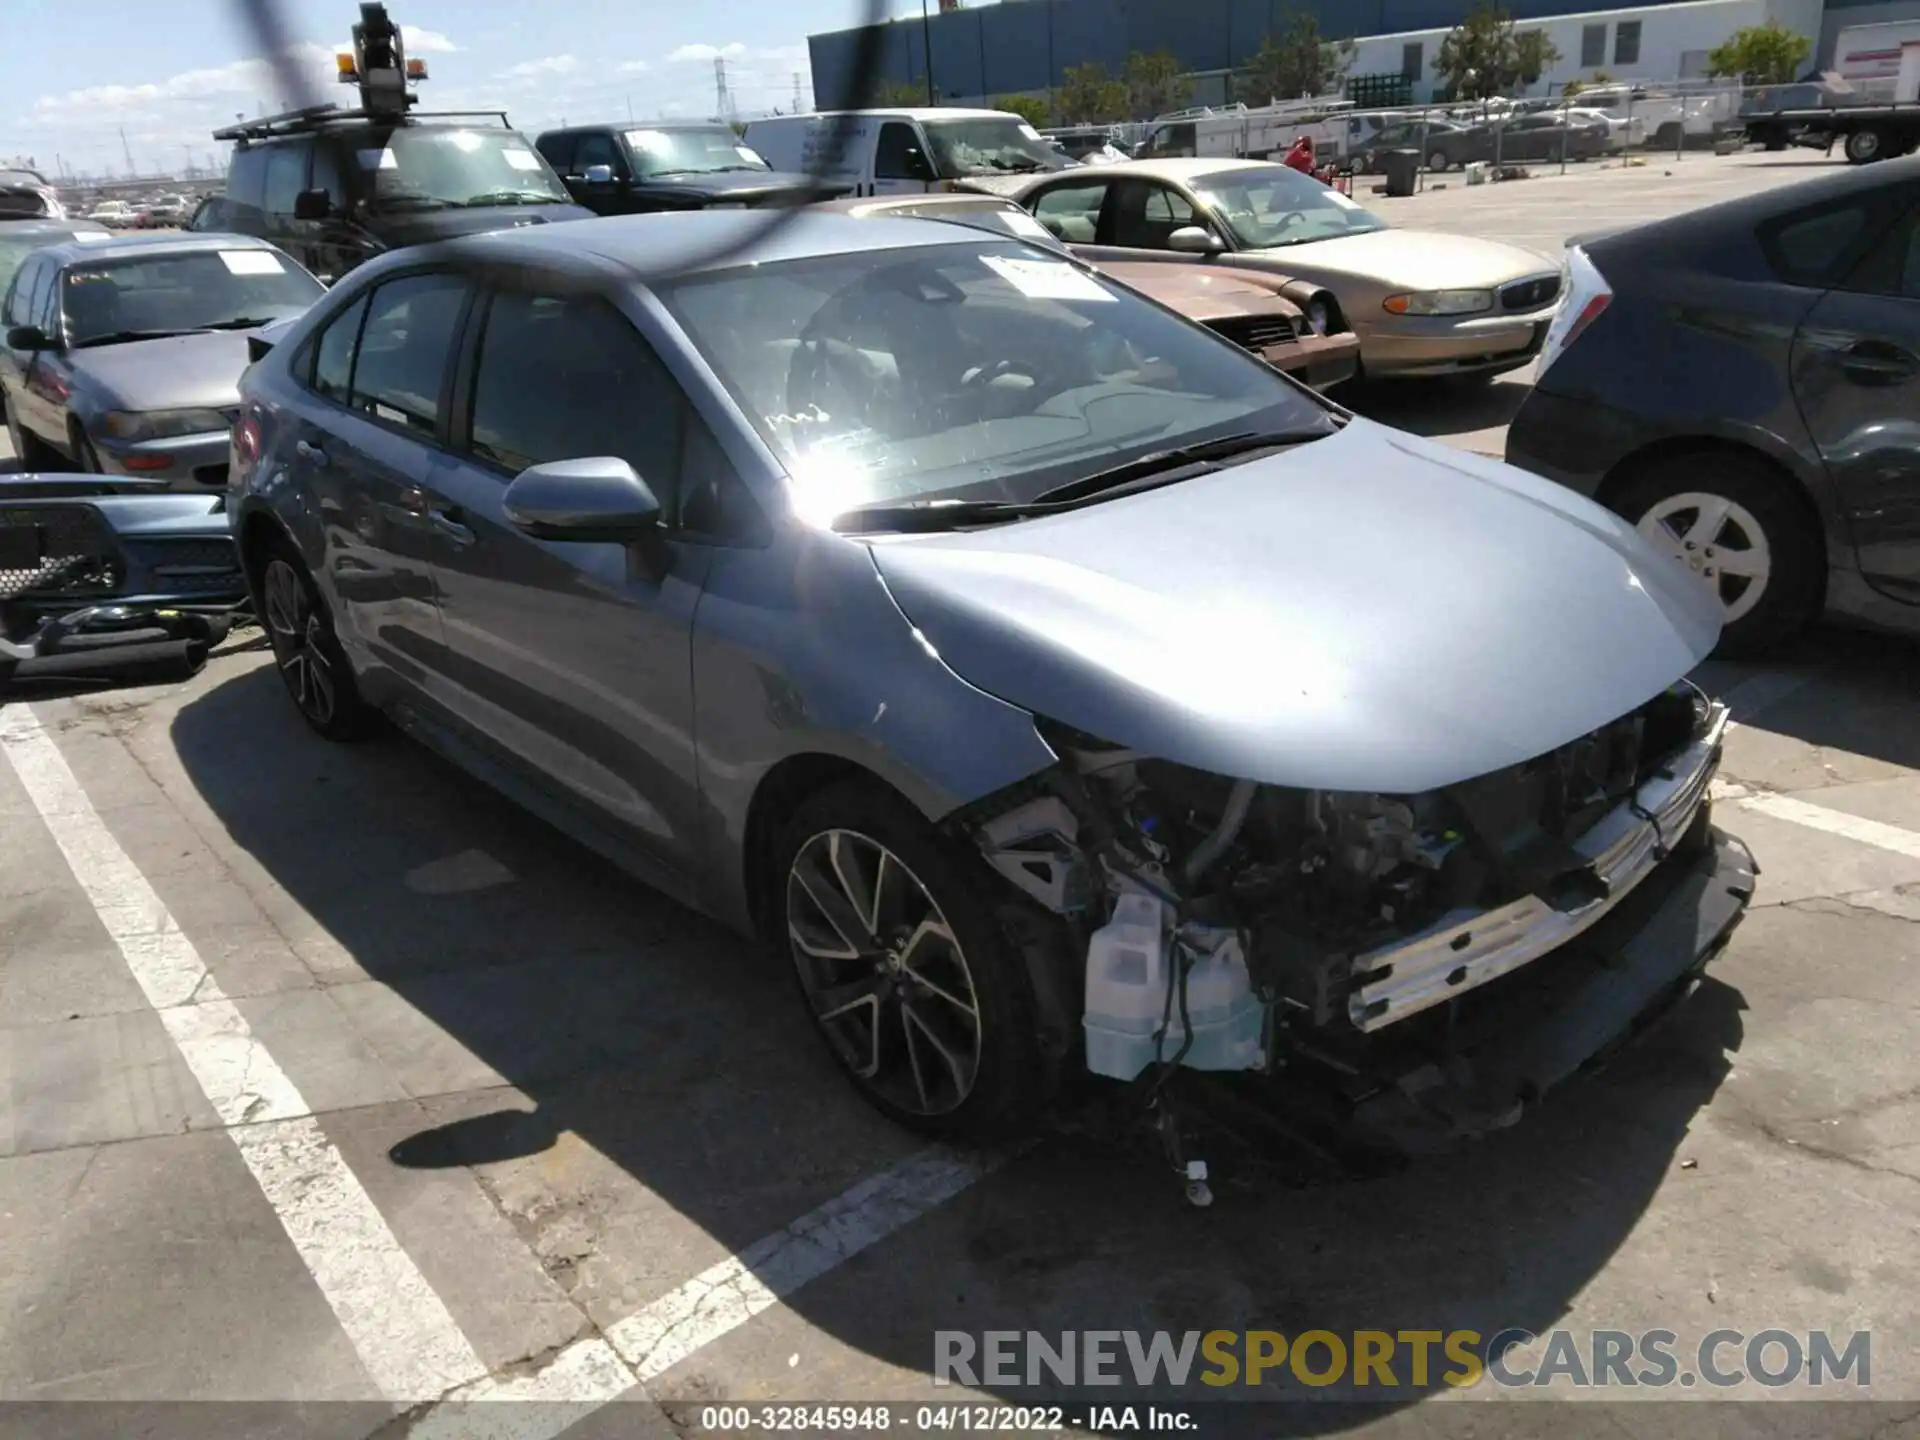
1673 41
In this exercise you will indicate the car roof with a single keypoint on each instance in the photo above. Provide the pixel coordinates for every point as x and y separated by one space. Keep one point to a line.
595 126
1174 168
1745 211
122 247
40 225
691 241
909 112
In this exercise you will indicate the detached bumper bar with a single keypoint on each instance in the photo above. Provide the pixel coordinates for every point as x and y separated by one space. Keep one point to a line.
1647 955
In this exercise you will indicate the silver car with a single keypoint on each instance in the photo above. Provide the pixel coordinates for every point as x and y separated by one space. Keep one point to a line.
1047 680
122 356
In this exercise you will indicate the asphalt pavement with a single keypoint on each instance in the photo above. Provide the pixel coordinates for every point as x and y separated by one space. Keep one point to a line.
338 1096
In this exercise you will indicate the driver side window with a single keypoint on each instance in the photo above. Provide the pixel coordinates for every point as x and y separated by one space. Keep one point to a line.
899 156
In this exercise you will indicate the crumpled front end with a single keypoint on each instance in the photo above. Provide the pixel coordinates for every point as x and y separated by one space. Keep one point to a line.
1427 963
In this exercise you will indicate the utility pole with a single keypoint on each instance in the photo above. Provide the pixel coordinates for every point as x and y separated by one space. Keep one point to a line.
127 150
630 119
926 44
722 100
798 103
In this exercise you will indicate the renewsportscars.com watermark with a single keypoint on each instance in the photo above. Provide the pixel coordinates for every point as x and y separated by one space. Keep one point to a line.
1377 1360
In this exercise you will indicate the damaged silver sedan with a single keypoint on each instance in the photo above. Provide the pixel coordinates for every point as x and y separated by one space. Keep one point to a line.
1058 688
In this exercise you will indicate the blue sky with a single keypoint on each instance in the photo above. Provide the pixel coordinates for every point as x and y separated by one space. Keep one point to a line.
72 72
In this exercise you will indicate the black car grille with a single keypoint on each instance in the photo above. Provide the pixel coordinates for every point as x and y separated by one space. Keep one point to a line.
1258 332
191 566
1530 294
55 550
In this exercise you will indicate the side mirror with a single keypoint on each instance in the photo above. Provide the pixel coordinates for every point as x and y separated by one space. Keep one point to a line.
312 205
28 337
1195 240
598 498
599 175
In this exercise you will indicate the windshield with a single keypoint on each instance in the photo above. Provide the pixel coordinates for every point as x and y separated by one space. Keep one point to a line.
980 372
173 294
989 147
1274 205
704 151
431 169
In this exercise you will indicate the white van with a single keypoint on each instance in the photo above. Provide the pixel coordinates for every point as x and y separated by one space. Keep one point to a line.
897 152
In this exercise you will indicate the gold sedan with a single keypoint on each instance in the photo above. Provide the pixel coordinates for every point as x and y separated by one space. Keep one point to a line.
1422 302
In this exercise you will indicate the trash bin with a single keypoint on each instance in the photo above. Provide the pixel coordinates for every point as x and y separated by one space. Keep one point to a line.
1401 167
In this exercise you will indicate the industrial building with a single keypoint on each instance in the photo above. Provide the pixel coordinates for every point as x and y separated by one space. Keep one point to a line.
1026 46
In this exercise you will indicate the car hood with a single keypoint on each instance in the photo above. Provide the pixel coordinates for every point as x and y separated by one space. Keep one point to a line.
1367 612
1203 293
399 228
1009 185
742 185
1405 260
181 372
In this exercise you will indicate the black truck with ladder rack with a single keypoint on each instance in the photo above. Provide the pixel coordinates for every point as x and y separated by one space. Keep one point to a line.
334 187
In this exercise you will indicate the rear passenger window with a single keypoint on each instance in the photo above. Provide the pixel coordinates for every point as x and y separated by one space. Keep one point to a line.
333 356
1893 266
404 349
1815 248
568 378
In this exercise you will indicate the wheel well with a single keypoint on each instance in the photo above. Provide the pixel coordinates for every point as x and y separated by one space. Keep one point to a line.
1633 466
258 532
780 790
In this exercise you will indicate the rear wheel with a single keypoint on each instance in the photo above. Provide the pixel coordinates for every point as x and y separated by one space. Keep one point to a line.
306 651
1438 162
920 997
1863 147
1739 529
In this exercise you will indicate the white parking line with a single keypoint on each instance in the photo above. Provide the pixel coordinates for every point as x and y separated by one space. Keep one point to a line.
398 1326
1834 822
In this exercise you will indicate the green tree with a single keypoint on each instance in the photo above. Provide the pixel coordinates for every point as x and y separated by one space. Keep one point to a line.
1088 95
1484 56
1296 62
1768 54
1030 108
1533 55
1154 84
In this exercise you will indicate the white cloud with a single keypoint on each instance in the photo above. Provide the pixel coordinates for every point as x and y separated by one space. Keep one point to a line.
708 53
546 65
313 64
635 67
426 42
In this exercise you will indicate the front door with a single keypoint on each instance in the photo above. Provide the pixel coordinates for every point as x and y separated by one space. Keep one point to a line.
384 362
1856 375
572 661
901 163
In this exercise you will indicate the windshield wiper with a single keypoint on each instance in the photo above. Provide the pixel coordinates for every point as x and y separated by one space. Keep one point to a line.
411 202
514 197
244 322
118 337
1163 467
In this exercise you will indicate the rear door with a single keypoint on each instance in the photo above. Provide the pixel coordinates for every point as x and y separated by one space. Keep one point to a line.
1856 376
381 371
573 661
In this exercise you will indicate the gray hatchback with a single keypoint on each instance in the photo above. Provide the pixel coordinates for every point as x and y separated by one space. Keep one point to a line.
1049 681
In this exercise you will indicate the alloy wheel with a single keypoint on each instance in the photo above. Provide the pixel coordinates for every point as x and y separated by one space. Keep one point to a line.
1720 543
884 972
298 634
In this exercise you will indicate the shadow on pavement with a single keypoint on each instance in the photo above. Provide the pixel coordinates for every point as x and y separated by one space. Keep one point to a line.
1437 407
679 1055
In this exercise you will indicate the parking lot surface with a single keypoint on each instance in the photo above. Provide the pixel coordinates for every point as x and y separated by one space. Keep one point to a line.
328 1077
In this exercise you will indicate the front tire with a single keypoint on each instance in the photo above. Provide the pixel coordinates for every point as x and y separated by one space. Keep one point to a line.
1736 524
918 994
29 450
1437 162
307 652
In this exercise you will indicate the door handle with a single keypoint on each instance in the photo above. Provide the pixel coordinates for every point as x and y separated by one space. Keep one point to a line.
1874 362
447 523
310 452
